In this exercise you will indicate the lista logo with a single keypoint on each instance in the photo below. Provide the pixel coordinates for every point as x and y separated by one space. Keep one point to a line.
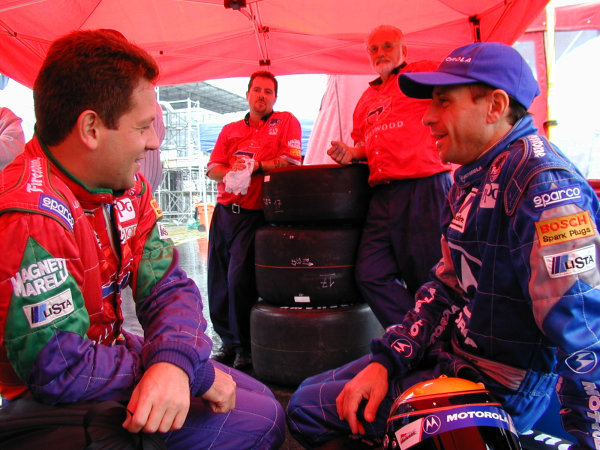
49 310
571 263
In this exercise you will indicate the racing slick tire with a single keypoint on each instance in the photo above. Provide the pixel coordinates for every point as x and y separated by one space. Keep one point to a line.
301 266
291 344
316 194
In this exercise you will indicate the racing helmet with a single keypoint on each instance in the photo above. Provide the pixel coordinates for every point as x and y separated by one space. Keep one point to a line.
449 413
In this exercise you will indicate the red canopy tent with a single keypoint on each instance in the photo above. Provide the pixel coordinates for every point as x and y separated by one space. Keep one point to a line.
196 40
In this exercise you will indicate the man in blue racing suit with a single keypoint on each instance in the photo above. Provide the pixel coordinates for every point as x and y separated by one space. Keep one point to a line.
514 301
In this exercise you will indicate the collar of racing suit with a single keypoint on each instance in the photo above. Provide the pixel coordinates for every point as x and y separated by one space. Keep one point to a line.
35 148
471 173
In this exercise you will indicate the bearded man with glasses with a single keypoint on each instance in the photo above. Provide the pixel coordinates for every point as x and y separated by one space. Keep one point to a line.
401 237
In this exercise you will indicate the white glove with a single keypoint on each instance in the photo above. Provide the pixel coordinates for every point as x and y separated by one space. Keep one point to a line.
237 182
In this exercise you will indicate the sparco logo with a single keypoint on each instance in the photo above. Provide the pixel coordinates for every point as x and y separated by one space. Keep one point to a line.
431 424
557 196
57 208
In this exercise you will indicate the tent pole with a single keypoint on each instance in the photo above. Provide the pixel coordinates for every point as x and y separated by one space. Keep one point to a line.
550 60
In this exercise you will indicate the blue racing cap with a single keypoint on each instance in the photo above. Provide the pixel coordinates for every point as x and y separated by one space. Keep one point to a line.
493 63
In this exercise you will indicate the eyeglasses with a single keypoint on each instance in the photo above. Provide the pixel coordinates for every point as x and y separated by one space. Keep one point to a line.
386 47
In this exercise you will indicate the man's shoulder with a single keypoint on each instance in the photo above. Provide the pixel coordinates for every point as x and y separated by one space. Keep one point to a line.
420 66
282 115
28 186
529 157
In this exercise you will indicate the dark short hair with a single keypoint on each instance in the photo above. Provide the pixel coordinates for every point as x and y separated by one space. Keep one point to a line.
516 110
91 69
263 74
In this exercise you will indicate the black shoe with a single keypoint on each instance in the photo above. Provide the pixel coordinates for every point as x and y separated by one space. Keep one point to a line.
225 355
243 360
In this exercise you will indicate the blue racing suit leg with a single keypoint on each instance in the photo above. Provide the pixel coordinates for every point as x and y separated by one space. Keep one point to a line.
256 422
400 243
312 415
231 274
218 261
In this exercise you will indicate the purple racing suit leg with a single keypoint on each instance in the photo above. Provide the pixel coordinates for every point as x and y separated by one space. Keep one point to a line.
256 422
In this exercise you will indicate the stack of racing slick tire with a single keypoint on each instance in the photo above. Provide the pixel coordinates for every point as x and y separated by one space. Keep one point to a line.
311 317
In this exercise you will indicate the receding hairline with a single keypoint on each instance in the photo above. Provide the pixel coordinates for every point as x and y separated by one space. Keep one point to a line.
397 32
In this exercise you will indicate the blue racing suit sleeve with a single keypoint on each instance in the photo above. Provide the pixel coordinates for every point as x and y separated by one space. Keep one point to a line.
563 282
437 303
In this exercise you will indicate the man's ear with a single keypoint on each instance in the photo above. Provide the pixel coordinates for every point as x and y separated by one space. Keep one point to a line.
88 128
499 105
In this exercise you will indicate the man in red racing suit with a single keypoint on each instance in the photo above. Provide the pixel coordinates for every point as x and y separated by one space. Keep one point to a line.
75 234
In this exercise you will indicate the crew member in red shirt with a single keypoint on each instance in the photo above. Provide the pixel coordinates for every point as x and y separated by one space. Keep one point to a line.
401 237
245 150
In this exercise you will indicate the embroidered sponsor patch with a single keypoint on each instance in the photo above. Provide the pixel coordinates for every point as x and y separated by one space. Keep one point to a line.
460 218
379 109
49 310
128 232
403 346
453 419
489 195
295 143
39 277
36 178
582 362
537 145
162 231
125 210
156 208
58 209
551 198
497 166
564 228
572 262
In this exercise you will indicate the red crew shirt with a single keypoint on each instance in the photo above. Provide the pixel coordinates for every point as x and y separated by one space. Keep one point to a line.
389 124
279 135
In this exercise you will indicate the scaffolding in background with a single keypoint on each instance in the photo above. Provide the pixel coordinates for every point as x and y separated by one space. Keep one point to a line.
184 182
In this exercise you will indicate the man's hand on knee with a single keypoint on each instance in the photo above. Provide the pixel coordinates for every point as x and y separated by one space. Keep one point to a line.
160 401
221 395
371 383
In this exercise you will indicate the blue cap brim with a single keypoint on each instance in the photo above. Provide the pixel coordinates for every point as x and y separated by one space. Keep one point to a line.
421 84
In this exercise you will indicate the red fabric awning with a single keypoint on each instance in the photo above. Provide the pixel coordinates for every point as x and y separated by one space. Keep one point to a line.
195 40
